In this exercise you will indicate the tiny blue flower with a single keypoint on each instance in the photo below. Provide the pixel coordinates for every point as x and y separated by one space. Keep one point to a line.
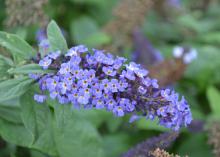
83 100
118 111
114 85
65 68
122 85
142 90
53 94
128 74
109 71
40 98
75 60
54 55
75 50
106 85
45 62
100 104
62 99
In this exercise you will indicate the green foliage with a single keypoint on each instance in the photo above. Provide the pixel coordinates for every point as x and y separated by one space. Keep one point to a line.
192 145
14 88
56 38
86 31
213 96
150 125
38 121
27 69
5 64
19 49
74 135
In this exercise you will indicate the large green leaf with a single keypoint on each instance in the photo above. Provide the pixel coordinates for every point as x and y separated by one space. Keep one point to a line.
5 64
194 146
204 69
74 136
15 133
116 144
7 60
14 88
17 46
27 69
56 38
11 114
213 96
37 119
85 30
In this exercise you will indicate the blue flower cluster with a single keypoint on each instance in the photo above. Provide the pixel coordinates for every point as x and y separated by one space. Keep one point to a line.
92 79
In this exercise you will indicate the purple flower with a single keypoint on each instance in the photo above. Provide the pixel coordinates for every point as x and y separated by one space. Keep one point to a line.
102 81
54 55
44 44
109 71
97 91
128 74
63 99
34 76
106 85
165 93
114 85
75 60
99 104
52 83
63 87
75 50
91 60
142 90
122 85
119 61
134 118
118 111
45 62
53 94
110 104
150 82
40 98
41 35
99 55
65 68
83 100
108 60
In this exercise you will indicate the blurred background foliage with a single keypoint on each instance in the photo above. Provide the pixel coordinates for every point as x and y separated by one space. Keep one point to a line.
166 24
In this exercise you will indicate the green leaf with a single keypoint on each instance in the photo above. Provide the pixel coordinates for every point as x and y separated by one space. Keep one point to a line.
202 71
7 60
37 119
27 69
96 39
5 64
14 88
56 38
195 145
116 144
74 136
15 133
149 125
11 114
85 30
210 38
17 46
213 96
15 102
